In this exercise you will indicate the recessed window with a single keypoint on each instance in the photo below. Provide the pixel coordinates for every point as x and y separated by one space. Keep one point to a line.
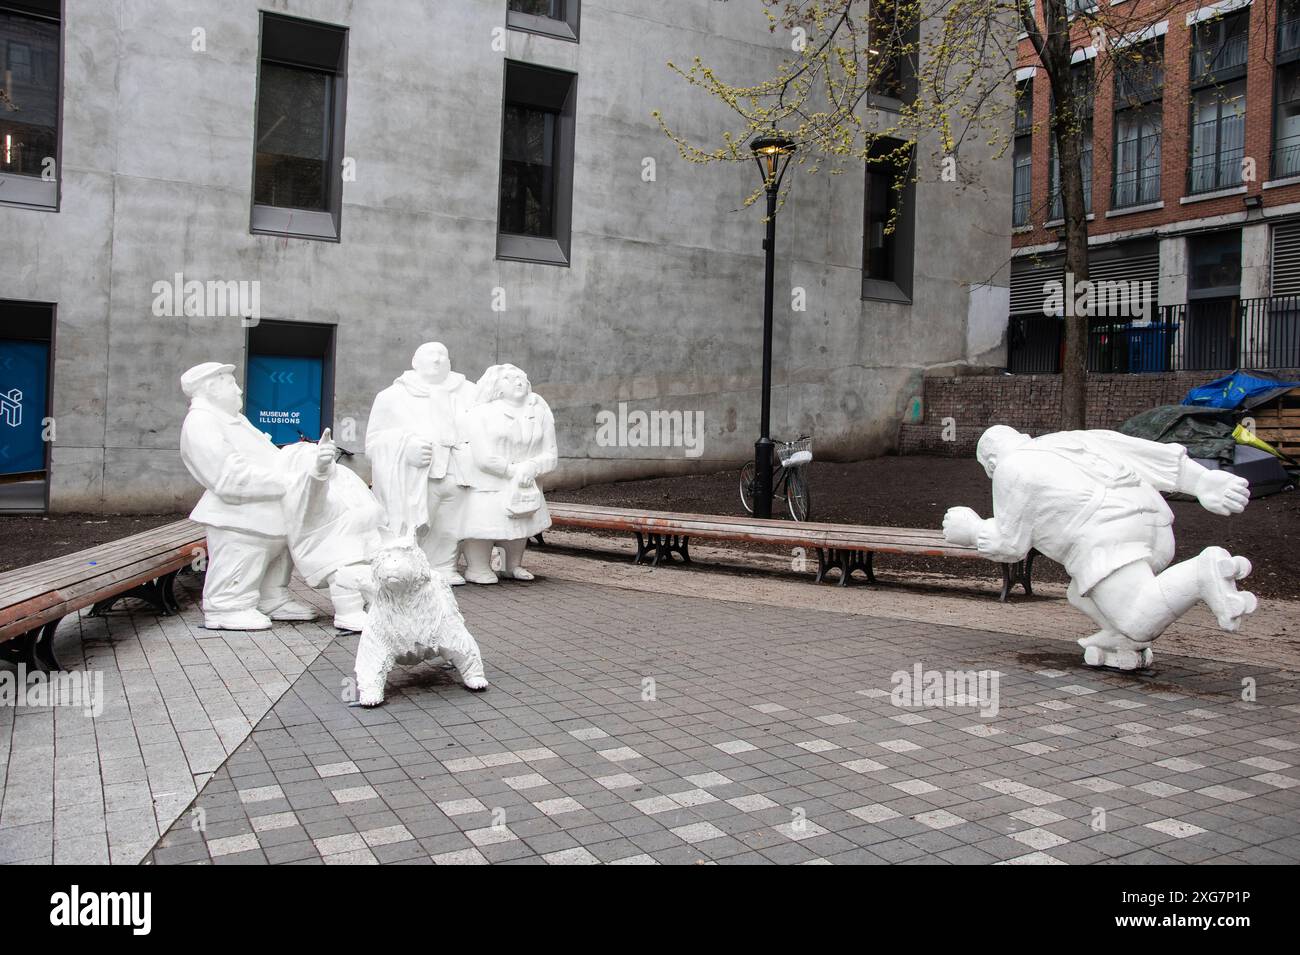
889 214
1139 86
301 89
554 18
30 76
289 384
533 215
1022 154
1081 82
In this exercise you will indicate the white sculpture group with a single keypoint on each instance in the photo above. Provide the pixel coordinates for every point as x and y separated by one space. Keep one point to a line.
454 467
1091 501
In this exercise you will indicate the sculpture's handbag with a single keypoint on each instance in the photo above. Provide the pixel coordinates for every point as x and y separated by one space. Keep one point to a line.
524 501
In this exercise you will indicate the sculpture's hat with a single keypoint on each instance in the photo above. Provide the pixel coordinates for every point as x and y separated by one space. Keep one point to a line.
199 373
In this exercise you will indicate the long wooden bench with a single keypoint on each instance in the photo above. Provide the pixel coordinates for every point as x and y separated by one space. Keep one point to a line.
35 598
846 547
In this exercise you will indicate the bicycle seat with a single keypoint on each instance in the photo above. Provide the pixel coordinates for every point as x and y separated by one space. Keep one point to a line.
798 458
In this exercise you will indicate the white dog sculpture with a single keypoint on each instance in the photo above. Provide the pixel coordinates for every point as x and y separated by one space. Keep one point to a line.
413 617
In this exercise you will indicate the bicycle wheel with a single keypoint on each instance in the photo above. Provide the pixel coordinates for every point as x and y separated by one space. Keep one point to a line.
747 487
797 494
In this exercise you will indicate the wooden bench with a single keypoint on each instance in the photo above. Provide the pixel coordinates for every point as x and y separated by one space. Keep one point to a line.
846 547
35 598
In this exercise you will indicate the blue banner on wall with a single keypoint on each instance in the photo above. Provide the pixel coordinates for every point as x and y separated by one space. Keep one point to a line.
283 396
24 378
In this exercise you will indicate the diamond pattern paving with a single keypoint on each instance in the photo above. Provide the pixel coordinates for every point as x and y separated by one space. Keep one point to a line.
637 728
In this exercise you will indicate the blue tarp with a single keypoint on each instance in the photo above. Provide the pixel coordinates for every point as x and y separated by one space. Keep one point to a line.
1240 390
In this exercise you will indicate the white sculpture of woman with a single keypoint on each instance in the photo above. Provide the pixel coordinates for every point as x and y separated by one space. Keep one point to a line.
512 443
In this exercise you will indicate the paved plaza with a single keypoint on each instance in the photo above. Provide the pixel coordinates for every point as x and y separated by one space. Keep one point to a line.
635 727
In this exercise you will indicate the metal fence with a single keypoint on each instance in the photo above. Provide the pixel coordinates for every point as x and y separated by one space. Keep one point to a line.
1201 336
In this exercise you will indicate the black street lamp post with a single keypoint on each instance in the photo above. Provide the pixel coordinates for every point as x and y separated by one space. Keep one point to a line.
772 153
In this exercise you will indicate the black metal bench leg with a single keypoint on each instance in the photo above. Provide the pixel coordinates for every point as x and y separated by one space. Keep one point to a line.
821 565
18 649
167 589
42 648
640 548
540 541
1020 572
684 550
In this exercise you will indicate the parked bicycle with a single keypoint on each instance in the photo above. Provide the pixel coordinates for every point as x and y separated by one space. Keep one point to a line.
789 478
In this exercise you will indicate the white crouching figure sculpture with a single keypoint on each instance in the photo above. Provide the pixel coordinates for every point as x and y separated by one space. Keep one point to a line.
512 443
242 472
413 617
333 524
1090 500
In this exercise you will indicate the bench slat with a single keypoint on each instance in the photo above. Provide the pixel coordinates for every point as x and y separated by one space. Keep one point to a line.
18 618
58 572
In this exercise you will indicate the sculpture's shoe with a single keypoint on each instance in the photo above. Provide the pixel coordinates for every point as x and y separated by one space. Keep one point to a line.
292 610
518 573
1123 659
485 578
1109 648
350 622
476 683
1217 573
455 579
237 620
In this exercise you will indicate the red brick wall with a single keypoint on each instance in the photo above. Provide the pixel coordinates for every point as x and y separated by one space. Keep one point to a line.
1174 147
1032 403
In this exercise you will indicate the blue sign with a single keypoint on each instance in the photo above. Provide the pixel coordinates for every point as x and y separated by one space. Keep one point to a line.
283 396
24 377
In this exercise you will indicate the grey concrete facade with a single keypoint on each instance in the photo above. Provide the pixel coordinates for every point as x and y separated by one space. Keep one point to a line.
660 307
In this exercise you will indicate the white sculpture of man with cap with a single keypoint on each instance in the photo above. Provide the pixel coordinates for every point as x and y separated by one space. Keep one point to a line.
244 480
1090 500
418 458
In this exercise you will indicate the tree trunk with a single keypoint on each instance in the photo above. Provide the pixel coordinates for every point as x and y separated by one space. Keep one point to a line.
1067 128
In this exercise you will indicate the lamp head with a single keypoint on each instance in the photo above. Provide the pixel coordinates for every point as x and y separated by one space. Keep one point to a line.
771 150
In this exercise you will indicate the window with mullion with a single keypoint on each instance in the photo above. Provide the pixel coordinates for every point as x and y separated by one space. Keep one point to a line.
1219 48
1137 156
1286 123
1218 137
30 75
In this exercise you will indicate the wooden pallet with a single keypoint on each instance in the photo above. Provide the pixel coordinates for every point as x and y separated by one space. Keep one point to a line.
1278 422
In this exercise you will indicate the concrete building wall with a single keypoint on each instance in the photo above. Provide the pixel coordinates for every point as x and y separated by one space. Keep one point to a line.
660 307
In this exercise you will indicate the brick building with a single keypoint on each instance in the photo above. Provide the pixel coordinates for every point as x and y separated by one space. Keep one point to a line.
1192 173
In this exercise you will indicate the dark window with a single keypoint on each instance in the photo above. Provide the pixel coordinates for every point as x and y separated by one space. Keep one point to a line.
891 38
1219 48
554 18
1139 85
528 163
1214 263
1022 154
1286 122
1288 30
536 164
889 213
29 103
297 179
1218 137
1081 83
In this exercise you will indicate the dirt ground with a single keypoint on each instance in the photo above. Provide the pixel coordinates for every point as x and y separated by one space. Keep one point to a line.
915 492
890 491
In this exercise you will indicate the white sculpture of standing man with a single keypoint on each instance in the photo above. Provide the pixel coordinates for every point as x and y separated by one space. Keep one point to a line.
242 473
418 458
1090 500
512 443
